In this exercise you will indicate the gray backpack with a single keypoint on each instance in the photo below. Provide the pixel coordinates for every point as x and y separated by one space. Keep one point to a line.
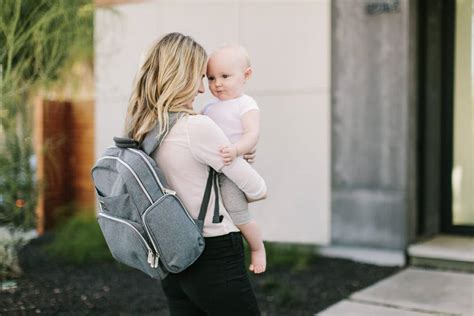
143 222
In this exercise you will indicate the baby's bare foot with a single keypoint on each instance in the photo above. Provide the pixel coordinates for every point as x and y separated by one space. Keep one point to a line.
258 261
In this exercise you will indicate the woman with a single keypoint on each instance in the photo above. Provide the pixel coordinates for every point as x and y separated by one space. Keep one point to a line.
167 83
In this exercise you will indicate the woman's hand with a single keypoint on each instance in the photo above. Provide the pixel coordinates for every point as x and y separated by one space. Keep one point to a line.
250 156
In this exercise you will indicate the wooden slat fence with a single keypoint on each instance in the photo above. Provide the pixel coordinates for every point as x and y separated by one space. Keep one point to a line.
64 147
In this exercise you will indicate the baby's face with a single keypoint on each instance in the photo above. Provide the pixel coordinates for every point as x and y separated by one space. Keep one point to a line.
226 73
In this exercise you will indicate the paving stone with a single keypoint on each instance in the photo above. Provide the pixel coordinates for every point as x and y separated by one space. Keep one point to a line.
425 290
458 248
351 308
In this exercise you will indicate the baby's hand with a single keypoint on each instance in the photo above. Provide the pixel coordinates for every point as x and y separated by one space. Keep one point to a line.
228 153
250 156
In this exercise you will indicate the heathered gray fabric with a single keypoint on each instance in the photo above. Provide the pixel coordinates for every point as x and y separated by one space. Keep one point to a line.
162 219
121 206
162 224
109 183
126 246
234 201
154 139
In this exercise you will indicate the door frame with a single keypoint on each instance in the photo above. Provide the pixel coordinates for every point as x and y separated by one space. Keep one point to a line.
447 140
436 121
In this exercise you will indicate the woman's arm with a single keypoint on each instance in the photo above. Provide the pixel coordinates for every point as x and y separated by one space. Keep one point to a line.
205 138
247 179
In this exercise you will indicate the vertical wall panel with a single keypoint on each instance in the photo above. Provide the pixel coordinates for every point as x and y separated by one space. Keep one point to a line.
373 130
289 46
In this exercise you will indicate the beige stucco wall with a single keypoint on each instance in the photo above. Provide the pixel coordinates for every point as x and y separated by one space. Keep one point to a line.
289 46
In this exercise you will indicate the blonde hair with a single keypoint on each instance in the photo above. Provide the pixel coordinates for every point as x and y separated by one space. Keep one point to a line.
166 82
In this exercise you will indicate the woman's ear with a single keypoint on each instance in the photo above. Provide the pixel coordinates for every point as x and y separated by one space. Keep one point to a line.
248 73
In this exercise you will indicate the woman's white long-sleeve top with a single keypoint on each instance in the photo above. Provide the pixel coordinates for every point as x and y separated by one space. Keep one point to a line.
184 156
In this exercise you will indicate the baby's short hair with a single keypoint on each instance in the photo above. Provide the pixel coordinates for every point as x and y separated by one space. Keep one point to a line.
238 49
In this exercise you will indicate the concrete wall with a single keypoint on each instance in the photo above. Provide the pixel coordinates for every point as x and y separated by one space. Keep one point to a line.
289 45
373 124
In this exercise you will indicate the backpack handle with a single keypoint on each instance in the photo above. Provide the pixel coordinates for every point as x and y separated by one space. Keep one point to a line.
123 142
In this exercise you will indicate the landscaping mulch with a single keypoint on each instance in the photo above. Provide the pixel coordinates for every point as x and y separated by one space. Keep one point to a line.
49 286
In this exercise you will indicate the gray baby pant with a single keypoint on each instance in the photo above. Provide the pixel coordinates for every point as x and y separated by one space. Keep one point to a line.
234 201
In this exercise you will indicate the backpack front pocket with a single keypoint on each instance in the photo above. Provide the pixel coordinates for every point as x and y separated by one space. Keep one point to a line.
173 233
120 206
128 245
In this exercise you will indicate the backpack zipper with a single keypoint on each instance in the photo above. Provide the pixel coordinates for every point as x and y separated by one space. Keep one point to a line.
133 173
152 257
164 190
146 226
149 208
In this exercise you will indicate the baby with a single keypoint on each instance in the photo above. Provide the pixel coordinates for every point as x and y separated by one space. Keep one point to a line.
237 114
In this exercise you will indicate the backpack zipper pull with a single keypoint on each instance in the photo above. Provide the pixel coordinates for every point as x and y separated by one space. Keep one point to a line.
150 257
169 191
156 262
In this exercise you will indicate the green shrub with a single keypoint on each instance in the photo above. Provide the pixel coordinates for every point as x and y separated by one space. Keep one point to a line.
40 40
270 284
79 241
296 257
282 293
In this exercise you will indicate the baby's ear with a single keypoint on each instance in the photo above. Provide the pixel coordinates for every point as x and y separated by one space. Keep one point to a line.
248 73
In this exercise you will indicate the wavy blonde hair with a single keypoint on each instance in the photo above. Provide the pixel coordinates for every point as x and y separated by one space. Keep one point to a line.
168 80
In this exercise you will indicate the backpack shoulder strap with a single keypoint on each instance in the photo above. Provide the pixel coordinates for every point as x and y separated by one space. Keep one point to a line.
211 182
153 138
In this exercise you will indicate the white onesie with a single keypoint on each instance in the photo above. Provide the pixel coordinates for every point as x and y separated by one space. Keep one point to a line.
227 114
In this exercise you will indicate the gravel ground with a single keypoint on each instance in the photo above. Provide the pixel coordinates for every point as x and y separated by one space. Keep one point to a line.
51 287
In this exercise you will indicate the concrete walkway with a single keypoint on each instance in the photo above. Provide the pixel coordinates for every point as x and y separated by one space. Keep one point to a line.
412 292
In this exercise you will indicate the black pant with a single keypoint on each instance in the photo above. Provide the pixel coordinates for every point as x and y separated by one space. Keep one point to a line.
216 284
